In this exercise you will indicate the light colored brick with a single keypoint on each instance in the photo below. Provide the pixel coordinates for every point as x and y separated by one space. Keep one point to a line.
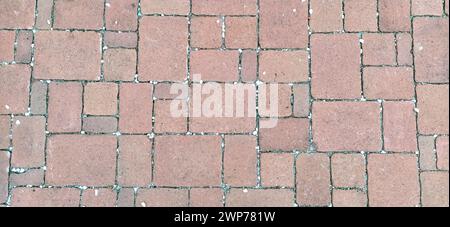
313 180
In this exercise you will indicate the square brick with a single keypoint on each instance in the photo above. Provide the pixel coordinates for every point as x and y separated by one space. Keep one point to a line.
163 51
100 98
14 88
7 46
361 15
120 65
67 55
427 7
281 66
136 105
24 46
379 49
100 124
135 161
187 161
45 197
267 92
273 139
433 107
326 15
215 65
121 39
4 175
81 160
241 32
442 152
28 142
349 170
431 50
181 7
277 170
121 15
80 14
38 99
349 198
5 125
388 83
206 197
347 126
394 15
393 180
427 153
249 65
240 161
260 198
165 121
44 17
313 180
301 100
206 32
229 7
64 107
17 14
435 189
162 197
404 49
283 25
342 76
399 121
98 198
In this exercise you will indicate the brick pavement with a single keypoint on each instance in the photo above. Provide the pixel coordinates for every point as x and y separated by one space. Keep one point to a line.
362 103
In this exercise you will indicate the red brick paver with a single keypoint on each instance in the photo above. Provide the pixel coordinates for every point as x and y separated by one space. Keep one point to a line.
126 103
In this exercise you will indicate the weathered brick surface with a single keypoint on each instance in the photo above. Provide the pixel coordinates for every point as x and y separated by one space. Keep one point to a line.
63 117
218 7
277 170
98 198
404 49
38 101
33 177
272 139
44 17
45 197
215 65
361 15
394 15
121 15
100 124
435 189
427 7
433 104
123 39
399 121
278 66
120 65
135 108
5 126
240 161
100 98
135 161
442 152
14 88
206 32
428 155
260 198
326 15
241 32
24 46
349 198
379 49
17 14
4 171
313 180
81 14
7 46
162 198
388 83
165 6
206 197
28 142
348 170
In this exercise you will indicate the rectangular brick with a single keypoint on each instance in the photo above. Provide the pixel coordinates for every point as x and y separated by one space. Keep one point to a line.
347 126
379 49
326 15
136 105
260 198
393 180
241 32
121 39
98 198
277 170
433 105
121 15
349 198
281 66
442 149
135 161
33 177
64 107
240 161
215 65
162 197
44 17
388 83
17 14
80 14
39 97
14 88
67 55
163 51
219 7
404 49
341 78
125 197
24 46
100 99
394 15
45 197
206 32
313 180
249 65
272 139
361 15
283 25
7 45
206 197
4 175
100 124
431 50
301 100
28 142
92 164
181 7
120 65
348 170
5 125
427 153
435 189
169 91
427 7
165 121
399 121
187 161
